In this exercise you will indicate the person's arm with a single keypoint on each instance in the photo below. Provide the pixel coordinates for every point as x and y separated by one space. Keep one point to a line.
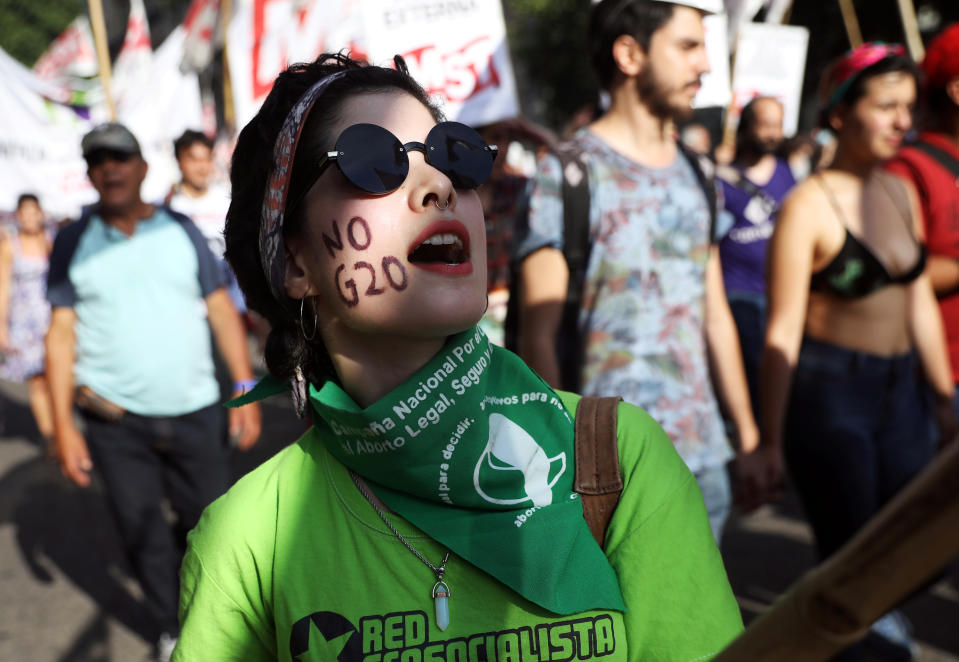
69 445
543 274
544 279
943 273
925 324
226 582
929 337
6 286
230 339
790 265
725 356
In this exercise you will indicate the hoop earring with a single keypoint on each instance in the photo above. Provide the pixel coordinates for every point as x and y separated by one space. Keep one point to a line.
312 335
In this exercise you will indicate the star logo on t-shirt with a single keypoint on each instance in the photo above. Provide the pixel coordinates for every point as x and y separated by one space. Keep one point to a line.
322 649
324 635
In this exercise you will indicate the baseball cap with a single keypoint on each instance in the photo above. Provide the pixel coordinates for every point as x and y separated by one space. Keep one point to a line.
708 6
110 135
941 63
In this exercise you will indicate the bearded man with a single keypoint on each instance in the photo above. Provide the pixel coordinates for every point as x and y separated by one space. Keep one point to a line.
753 188
654 315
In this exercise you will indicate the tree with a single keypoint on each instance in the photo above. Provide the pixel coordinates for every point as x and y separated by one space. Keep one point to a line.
29 27
547 40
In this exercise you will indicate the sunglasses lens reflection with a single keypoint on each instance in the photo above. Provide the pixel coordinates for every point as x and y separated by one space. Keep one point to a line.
372 158
460 153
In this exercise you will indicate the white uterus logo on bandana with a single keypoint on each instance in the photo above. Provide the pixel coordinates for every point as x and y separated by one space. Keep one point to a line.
511 448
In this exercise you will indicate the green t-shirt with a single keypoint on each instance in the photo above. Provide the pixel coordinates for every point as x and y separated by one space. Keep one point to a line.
294 564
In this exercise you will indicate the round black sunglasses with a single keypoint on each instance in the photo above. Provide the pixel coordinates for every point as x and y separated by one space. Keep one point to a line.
375 161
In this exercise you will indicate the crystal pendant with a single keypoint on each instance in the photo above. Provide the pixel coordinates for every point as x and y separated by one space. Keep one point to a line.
441 594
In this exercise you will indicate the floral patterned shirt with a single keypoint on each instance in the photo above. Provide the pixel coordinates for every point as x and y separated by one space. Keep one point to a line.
643 316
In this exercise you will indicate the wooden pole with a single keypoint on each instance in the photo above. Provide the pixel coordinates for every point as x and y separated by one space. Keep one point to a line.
851 22
103 53
896 553
229 111
911 27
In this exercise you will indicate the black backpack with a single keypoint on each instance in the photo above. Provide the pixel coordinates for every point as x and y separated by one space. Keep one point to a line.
576 249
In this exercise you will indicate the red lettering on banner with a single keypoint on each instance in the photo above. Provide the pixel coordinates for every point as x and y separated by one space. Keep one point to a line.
458 75
263 75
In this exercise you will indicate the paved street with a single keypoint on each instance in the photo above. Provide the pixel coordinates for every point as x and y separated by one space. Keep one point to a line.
66 593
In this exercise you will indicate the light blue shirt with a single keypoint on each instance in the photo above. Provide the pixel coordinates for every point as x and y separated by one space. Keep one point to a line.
142 338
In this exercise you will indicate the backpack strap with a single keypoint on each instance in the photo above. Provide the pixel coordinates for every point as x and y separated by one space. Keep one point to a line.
576 247
705 173
598 478
941 156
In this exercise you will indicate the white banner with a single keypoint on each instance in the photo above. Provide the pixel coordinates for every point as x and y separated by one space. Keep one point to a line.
456 50
39 144
40 138
716 89
266 35
770 61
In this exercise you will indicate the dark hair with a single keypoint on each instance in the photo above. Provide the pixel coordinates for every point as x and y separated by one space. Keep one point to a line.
286 347
189 139
610 19
857 89
938 102
747 118
27 197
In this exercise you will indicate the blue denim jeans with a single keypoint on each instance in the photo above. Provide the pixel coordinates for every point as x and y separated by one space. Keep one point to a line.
857 430
717 495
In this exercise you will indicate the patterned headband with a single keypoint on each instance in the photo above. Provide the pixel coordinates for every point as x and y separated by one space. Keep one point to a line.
841 75
272 251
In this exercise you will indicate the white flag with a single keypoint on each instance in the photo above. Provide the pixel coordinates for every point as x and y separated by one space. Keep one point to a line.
70 54
133 62
165 102
200 27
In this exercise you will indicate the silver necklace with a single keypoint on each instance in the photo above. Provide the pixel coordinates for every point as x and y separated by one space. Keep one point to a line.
441 590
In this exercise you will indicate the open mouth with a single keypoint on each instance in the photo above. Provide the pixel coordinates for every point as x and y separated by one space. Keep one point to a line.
443 247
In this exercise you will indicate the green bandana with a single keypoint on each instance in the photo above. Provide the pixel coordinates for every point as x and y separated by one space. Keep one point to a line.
476 428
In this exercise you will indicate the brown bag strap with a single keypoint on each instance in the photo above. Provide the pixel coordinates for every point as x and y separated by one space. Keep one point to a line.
598 477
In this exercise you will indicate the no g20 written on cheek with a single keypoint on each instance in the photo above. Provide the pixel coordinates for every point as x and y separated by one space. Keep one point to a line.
359 236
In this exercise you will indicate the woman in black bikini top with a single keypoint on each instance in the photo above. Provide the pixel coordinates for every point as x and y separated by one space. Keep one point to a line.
852 317
855 271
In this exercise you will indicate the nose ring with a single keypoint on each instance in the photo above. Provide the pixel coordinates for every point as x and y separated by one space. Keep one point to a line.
444 207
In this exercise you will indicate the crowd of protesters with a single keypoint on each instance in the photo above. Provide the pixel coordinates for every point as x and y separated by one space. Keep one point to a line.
781 307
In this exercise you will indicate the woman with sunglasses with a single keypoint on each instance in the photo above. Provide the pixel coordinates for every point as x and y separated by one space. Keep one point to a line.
852 319
428 513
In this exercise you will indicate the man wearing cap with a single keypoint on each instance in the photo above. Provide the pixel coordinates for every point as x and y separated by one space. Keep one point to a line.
132 286
654 310
932 165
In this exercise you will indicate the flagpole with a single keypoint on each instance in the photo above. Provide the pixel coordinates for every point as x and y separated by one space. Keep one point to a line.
911 27
229 113
103 52
851 22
